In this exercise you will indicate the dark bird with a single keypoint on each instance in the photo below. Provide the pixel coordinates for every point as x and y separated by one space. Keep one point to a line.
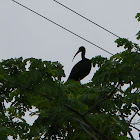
82 68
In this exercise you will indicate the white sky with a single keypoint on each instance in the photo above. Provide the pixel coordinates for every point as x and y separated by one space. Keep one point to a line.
25 34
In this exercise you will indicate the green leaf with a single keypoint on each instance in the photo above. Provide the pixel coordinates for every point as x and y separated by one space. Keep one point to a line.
138 35
138 16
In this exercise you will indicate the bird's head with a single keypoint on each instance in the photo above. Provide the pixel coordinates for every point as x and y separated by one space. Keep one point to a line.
81 49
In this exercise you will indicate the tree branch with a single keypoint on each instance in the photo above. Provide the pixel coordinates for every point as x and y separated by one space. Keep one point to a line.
73 110
83 126
86 121
80 122
83 118
94 138
101 101
49 98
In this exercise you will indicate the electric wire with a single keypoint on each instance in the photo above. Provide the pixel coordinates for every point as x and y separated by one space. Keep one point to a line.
86 18
62 27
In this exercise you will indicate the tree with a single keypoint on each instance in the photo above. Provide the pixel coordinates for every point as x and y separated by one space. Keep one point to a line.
99 109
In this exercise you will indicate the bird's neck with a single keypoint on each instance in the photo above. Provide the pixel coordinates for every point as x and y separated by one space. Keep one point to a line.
83 56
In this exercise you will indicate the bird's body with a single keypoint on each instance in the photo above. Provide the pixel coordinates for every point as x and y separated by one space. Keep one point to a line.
82 68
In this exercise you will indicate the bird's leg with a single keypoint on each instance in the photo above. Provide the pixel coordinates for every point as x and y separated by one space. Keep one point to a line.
79 81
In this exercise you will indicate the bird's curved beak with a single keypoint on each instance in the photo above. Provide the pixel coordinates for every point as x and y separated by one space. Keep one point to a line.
75 55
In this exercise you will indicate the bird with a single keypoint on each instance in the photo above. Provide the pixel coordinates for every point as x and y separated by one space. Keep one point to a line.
82 68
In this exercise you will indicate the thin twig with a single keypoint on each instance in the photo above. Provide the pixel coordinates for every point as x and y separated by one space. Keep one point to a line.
137 90
133 116
131 135
134 127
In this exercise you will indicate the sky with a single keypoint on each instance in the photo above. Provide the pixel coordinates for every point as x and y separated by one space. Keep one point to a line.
24 34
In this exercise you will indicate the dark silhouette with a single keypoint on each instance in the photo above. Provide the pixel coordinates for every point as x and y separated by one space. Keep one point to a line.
82 68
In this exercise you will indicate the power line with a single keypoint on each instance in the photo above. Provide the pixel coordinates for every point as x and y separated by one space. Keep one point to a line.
61 27
86 18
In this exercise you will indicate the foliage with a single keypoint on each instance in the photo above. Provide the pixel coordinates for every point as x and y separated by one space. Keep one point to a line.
96 110
138 17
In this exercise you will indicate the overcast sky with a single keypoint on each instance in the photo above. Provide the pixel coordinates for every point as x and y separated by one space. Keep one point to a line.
22 33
